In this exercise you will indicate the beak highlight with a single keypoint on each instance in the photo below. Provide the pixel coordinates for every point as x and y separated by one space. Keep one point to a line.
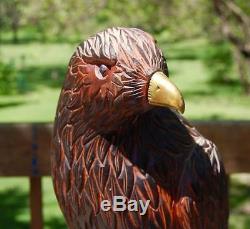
162 92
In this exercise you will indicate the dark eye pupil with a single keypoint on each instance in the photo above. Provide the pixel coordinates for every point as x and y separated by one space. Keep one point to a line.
103 69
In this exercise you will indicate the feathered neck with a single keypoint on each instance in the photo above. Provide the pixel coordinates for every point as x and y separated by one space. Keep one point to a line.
149 137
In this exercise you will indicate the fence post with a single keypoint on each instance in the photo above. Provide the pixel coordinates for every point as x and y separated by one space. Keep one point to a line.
36 202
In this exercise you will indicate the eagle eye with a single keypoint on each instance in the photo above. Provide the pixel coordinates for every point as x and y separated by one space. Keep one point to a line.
103 69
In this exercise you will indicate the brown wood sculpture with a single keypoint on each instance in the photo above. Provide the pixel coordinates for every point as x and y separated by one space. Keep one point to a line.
117 132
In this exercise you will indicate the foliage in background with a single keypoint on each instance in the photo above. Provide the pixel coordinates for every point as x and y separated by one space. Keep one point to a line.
11 15
234 19
59 20
73 20
8 78
219 60
170 21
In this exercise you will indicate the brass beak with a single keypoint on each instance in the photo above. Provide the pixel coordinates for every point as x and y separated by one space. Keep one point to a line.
162 92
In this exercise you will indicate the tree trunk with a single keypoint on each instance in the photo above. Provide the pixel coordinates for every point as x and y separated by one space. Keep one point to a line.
15 25
226 10
15 34
244 71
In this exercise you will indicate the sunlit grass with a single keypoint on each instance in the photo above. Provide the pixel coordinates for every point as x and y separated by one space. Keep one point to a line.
37 54
206 101
37 106
43 68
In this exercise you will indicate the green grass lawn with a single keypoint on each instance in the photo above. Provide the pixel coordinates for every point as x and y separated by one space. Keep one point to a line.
14 205
42 68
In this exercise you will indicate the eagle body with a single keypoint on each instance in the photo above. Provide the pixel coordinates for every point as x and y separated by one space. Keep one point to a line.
108 142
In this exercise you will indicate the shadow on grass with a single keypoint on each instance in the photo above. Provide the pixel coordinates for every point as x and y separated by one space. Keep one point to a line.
36 38
184 56
225 82
11 104
185 53
50 76
198 93
13 203
247 223
56 222
239 197
239 194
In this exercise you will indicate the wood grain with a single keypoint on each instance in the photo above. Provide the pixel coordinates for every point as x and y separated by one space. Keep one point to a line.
25 149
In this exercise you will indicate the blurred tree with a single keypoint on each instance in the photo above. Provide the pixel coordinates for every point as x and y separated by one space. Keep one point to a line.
156 16
138 13
235 25
183 19
8 78
218 59
60 20
11 13
171 20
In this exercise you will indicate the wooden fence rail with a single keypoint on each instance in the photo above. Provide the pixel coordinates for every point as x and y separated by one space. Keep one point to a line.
25 151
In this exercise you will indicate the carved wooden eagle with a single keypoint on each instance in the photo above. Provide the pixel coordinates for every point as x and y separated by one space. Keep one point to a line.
118 132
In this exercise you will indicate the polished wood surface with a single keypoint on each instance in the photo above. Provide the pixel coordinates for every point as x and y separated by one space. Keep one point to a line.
109 140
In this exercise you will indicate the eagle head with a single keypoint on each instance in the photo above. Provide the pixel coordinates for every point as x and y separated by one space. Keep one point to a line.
111 139
118 74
